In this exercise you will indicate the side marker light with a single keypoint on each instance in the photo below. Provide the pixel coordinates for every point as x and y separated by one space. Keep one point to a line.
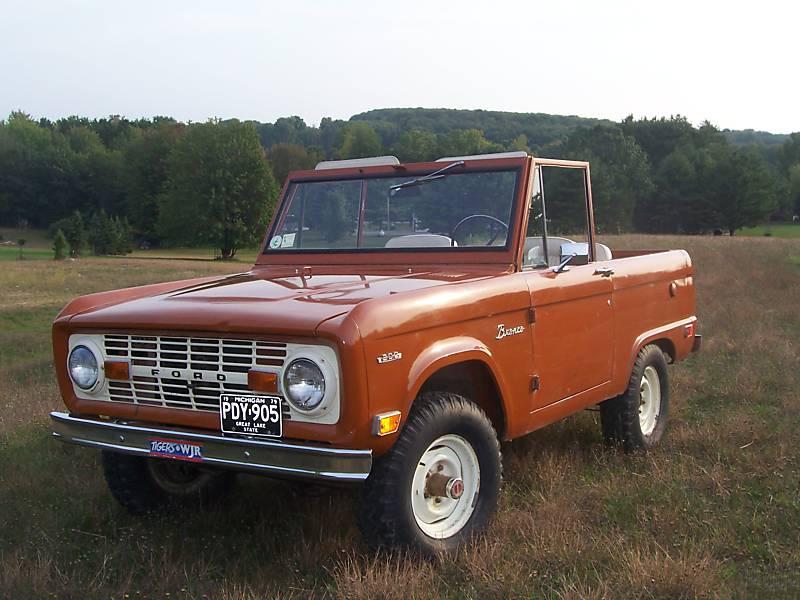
386 423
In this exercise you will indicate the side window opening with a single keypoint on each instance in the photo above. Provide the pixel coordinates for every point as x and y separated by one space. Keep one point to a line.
558 219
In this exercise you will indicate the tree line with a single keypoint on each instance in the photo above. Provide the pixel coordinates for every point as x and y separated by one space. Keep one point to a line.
113 183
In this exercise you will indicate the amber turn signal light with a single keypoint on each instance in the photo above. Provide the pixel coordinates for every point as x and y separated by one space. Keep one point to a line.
262 381
117 370
386 423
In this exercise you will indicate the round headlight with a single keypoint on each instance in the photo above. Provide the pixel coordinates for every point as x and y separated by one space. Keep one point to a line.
83 367
304 384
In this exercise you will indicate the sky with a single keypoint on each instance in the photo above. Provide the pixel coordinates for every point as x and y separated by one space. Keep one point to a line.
734 64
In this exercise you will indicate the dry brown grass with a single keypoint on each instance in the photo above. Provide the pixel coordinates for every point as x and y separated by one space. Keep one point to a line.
714 512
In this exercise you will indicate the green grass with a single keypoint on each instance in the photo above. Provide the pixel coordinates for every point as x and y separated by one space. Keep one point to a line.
38 246
778 230
12 253
244 255
713 512
34 238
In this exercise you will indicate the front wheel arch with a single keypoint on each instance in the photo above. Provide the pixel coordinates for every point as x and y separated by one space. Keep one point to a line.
475 380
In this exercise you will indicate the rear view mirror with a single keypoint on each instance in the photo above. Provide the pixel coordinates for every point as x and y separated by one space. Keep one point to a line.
579 249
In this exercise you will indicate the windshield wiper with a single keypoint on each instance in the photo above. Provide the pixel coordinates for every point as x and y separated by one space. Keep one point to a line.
440 174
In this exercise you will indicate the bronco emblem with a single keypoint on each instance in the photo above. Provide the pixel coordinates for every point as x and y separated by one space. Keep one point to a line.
503 332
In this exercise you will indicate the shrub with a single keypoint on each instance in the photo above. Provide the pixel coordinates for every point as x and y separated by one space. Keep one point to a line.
75 234
59 245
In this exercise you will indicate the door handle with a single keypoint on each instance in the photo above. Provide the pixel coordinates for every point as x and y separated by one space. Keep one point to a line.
604 271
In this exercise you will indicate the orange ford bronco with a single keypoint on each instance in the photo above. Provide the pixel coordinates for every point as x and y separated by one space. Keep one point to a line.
400 321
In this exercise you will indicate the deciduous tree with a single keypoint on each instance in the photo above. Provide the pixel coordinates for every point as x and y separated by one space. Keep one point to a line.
416 145
746 192
146 159
359 140
284 158
620 174
220 188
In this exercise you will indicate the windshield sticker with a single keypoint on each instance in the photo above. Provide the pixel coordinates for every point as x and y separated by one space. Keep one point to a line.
288 240
276 241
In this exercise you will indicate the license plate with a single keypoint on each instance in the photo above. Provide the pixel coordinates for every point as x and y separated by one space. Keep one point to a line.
177 449
251 415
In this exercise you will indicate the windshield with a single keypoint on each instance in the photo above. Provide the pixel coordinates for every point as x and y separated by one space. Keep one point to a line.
452 211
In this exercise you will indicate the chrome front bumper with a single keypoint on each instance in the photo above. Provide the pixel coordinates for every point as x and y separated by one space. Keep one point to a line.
267 457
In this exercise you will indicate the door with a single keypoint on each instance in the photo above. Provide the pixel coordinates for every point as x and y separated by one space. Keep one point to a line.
571 295
572 333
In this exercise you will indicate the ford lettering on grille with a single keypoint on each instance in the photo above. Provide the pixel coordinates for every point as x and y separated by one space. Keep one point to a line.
189 375
187 372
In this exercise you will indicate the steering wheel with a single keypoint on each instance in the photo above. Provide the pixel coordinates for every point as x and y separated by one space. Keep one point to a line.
477 216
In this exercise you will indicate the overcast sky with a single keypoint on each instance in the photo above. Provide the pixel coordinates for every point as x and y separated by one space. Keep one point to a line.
735 64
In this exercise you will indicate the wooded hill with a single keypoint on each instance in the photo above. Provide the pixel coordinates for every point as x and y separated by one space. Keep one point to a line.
147 177
503 127
498 127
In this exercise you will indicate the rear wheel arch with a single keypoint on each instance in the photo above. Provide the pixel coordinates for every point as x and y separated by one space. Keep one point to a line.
667 347
661 339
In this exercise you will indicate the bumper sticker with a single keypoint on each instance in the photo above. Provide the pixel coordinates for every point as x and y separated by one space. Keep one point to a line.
177 449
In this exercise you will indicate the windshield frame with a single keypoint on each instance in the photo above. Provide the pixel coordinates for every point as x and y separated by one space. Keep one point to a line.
462 254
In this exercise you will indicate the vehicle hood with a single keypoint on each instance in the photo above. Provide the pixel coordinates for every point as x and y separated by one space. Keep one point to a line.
262 300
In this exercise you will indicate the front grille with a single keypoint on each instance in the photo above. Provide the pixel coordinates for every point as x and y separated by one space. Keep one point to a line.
188 372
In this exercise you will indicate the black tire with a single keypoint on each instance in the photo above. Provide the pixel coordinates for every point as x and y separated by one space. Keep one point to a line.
619 416
138 483
385 513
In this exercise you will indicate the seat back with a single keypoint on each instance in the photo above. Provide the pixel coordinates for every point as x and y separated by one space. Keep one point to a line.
602 252
534 250
420 240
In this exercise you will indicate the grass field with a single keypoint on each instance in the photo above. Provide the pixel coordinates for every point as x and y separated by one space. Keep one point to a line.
779 230
713 512
38 247
12 253
245 255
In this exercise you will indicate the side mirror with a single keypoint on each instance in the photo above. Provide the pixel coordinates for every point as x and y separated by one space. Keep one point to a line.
580 250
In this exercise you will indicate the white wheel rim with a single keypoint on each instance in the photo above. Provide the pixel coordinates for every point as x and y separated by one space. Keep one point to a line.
649 400
442 517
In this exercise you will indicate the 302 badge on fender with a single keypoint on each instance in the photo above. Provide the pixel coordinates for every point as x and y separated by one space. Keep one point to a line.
389 357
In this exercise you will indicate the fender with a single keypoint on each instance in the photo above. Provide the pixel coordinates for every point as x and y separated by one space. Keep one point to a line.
451 351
